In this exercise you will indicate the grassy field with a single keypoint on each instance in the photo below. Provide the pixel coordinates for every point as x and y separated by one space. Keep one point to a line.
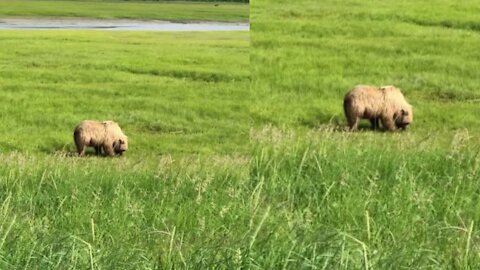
241 162
368 200
318 54
182 98
171 92
116 9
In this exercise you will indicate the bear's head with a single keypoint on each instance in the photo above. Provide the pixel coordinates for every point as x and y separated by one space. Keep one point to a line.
403 117
120 145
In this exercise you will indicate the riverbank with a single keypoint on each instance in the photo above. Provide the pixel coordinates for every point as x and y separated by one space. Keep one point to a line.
119 25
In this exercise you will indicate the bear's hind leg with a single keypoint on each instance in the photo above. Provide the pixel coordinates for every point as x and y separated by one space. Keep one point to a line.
375 121
98 150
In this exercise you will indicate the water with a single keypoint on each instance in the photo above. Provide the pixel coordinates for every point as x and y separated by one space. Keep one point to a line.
123 25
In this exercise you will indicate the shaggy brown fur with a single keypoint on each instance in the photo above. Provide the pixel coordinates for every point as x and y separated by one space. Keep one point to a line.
106 135
386 104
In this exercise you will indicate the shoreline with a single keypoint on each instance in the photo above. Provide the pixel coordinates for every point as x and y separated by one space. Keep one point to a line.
64 23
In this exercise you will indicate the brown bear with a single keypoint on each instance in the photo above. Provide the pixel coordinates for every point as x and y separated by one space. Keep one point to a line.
386 104
106 135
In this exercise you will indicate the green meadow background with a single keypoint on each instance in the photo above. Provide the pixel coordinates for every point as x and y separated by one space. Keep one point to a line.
317 54
181 97
238 155
367 200
223 11
170 92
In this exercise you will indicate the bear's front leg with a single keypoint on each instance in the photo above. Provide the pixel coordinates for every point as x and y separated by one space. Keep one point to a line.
388 123
108 149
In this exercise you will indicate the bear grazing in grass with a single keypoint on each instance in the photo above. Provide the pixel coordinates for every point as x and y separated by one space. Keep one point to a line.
386 104
106 135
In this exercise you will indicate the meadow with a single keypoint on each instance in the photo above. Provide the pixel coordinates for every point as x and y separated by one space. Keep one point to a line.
366 200
116 9
182 98
318 54
171 92
238 157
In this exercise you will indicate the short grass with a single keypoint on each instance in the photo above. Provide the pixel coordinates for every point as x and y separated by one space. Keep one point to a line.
317 54
170 92
141 10
366 200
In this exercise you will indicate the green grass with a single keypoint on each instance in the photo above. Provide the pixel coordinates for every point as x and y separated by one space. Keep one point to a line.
193 193
70 213
141 10
366 200
182 98
318 53
170 92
